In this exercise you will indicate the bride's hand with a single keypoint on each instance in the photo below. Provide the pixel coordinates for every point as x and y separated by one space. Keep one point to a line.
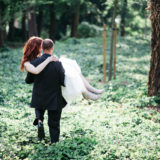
53 58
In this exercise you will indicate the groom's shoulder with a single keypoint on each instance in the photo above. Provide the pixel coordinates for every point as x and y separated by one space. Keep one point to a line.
59 67
58 64
36 61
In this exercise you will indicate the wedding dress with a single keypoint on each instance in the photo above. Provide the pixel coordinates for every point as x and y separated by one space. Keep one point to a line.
74 86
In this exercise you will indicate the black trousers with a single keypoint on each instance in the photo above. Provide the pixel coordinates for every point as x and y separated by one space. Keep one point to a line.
53 122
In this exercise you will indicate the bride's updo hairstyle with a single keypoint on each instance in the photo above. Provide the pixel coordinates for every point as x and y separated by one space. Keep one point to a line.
31 50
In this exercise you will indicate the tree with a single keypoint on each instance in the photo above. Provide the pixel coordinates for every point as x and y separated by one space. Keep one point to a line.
1 37
11 29
2 22
23 24
75 19
123 17
39 19
75 8
154 73
31 15
11 19
52 26
32 25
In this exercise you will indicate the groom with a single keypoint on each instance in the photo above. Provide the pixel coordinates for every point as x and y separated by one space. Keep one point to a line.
46 94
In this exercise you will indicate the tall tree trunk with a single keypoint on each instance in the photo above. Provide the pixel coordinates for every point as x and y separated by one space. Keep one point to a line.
23 23
1 38
10 36
154 73
75 21
39 20
112 39
52 27
123 16
32 25
2 8
11 29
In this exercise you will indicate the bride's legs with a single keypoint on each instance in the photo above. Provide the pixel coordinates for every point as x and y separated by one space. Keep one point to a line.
89 95
91 88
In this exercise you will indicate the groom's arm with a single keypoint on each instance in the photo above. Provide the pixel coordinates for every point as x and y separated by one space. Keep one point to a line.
61 73
29 78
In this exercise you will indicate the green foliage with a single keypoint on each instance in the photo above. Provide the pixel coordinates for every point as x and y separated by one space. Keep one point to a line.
88 30
4 49
118 126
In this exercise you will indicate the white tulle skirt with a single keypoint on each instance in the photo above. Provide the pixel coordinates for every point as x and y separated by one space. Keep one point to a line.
74 85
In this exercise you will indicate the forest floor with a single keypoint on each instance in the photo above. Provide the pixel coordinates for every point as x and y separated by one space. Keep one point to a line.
117 126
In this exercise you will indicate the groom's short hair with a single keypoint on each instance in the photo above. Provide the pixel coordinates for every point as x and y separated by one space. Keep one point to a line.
47 44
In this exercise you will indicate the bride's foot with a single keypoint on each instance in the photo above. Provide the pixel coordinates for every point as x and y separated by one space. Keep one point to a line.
94 90
91 88
99 91
90 95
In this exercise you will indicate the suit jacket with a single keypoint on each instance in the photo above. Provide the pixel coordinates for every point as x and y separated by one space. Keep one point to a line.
46 93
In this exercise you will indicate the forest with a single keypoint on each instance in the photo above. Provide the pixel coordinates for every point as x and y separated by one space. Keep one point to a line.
61 19
123 59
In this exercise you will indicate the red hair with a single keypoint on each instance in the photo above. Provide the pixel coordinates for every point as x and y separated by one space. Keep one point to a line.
31 50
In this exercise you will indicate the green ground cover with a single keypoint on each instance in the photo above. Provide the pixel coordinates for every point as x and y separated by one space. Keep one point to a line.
118 126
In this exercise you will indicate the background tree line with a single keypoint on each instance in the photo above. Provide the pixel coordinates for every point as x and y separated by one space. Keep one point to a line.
20 19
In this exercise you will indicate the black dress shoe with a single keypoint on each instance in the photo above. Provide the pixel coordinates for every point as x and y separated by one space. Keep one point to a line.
41 134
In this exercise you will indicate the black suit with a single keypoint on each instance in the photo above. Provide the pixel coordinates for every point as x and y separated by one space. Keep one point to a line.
47 95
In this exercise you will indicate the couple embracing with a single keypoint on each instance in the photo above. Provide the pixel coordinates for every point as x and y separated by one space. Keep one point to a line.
56 82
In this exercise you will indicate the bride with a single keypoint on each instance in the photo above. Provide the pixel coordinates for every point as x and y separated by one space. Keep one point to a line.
75 82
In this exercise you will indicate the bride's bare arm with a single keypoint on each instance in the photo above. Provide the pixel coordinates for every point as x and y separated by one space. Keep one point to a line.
36 70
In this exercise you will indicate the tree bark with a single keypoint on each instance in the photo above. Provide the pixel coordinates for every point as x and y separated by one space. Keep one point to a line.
75 21
11 29
23 22
154 73
52 27
32 25
39 20
2 8
123 16
11 12
1 38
